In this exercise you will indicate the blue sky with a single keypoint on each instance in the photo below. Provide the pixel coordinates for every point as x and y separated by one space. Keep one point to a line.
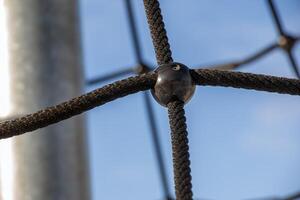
243 144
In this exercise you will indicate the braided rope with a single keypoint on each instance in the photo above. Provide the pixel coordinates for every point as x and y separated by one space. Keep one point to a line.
132 85
158 32
76 106
246 81
181 161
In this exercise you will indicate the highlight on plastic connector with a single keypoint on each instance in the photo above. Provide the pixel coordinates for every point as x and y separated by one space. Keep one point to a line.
174 82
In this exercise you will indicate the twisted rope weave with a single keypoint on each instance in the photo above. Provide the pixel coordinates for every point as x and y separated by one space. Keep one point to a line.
246 81
132 85
181 161
180 147
182 177
76 106
158 32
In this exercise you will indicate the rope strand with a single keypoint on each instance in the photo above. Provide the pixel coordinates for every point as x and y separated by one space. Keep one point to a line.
132 85
76 106
246 81
181 160
158 32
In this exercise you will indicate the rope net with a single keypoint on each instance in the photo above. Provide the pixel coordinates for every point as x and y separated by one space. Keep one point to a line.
146 79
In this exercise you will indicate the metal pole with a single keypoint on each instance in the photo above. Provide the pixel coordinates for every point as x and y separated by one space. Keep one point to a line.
40 65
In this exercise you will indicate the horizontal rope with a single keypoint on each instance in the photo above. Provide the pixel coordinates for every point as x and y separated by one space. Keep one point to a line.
76 106
132 85
246 81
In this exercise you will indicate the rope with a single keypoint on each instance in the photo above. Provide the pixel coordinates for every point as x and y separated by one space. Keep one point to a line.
76 106
275 16
149 108
181 161
158 32
247 60
246 81
157 146
132 85
179 134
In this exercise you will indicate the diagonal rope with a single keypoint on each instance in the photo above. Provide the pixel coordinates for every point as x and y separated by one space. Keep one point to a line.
157 147
288 39
76 106
246 81
275 17
133 31
257 55
113 75
251 58
295 196
180 147
293 63
158 32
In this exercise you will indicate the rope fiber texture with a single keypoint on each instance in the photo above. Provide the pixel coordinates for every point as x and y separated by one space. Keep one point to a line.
132 85
76 106
246 81
180 147
181 162
179 134
158 32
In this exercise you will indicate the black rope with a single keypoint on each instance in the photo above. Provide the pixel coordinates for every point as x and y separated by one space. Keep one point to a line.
246 81
293 63
251 58
295 196
132 85
150 112
157 147
181 162
76 106
158 32
180 147
290 41
276 17
110 76
133 30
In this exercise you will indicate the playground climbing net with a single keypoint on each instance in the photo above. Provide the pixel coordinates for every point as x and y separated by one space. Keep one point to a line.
172 84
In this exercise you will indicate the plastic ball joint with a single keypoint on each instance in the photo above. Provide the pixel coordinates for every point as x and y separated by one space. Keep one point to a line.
174 82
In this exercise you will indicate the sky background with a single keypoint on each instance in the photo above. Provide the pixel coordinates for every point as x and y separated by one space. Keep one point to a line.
243 144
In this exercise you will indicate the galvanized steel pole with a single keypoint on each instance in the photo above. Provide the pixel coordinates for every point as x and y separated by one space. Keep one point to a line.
40 65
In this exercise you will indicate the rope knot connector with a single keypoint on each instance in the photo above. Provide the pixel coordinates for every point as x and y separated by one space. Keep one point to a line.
287 42
174 82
